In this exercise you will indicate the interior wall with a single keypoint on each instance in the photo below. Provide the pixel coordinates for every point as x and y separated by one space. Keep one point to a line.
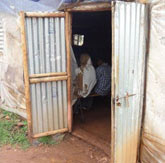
153 136
96 28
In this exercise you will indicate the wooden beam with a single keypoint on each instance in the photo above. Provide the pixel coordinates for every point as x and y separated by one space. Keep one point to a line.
48 75
47 79
93 7
26 74
68 44
50 133
45 14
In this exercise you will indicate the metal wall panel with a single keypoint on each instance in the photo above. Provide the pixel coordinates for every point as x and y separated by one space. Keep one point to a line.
46 45
47 54
49 106
129 61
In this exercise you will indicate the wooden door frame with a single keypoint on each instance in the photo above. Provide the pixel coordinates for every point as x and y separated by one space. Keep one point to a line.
89 7
26 75
93 8
68 36
35 78
30 79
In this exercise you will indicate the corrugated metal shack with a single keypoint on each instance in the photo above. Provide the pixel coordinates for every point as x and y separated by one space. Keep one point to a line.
36 44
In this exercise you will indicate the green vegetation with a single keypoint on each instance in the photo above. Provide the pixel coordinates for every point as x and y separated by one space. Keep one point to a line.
47 140
13 130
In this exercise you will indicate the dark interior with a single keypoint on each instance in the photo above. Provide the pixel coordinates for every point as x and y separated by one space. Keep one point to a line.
96 28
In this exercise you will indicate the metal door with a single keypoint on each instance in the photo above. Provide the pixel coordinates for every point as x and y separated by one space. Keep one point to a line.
46 72
128 67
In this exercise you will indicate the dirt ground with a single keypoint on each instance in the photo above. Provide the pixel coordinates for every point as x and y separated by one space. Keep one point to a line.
90 143
71 150
97 122
96 127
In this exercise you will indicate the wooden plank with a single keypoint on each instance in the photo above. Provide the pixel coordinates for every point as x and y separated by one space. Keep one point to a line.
48 75
45 14
93 139
26 75
50 133
93 7
47 79
68 44
91 95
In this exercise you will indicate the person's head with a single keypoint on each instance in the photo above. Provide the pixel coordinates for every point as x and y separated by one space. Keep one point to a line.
100 61
84 59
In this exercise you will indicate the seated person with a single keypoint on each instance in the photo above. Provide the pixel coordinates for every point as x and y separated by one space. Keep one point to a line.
84 83
103 76
85 77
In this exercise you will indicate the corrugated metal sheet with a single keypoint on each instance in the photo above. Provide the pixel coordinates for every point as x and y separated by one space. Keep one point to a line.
1 37
49 106
47 54
129 62
46 45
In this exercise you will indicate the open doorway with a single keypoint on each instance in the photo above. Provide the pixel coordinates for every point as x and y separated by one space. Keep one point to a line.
54 84
91 33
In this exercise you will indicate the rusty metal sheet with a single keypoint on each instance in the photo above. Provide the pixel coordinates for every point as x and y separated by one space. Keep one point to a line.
129 37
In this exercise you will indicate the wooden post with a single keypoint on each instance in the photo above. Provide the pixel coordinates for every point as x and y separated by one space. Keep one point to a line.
90 7
50 133
68 44
26 75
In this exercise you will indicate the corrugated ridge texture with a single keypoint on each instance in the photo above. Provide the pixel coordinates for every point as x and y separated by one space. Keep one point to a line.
46 54
129 46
